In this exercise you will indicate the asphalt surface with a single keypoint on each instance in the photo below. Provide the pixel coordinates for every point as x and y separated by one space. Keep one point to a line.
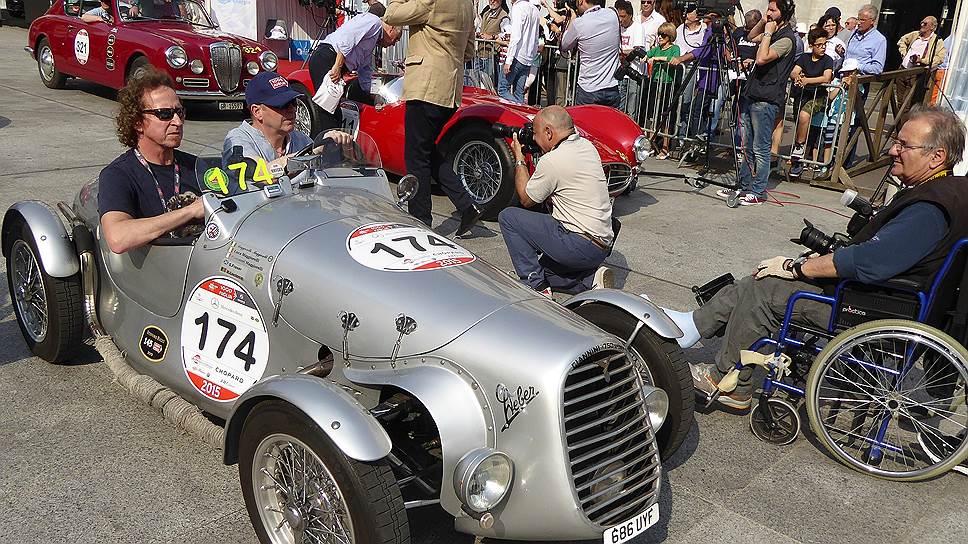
84 462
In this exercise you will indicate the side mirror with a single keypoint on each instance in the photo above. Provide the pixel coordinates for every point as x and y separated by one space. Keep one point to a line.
406 189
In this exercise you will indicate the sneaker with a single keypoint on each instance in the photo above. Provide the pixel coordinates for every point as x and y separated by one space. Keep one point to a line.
726 193
547 292
705 379
796 170
663 155
604 278
798 150
749 199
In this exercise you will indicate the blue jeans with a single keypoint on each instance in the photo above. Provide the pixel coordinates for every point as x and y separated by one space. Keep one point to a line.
605 97
757 120
513 85
545 254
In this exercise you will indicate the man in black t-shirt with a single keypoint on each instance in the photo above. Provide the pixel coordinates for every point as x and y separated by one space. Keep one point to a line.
134 190
813 69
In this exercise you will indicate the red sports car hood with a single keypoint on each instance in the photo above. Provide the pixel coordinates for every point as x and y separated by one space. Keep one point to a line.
186 34
611 149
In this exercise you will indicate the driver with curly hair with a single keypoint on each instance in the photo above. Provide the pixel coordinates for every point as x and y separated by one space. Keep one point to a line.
138 191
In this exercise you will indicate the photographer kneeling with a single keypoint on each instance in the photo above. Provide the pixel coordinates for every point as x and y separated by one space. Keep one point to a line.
907 239
562 251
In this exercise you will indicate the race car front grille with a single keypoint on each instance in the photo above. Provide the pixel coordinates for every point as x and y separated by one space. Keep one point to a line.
195 82
613 458
618 176
226 65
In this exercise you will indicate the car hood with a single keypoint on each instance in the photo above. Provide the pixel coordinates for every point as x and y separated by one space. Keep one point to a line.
185 34
337 266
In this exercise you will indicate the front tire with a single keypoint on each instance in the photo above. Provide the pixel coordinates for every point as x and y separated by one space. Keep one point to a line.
297 483
484 168
48 309
49 73
138 68
668 370
307 118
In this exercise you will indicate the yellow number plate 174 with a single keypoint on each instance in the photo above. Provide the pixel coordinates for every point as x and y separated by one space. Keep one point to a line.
629 529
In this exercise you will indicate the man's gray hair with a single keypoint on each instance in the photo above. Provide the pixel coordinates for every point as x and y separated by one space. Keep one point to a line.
869 9
947 131
557 117
753 16
933 20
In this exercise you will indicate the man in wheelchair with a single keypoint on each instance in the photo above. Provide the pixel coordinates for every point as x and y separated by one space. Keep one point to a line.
906 240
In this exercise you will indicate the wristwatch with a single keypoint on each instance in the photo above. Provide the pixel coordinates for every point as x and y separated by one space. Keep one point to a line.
520 163
797 267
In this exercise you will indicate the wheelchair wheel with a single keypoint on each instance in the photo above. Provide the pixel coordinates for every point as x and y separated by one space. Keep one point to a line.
775 421
888 398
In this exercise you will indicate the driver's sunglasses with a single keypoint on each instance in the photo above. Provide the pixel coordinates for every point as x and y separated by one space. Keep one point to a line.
167 114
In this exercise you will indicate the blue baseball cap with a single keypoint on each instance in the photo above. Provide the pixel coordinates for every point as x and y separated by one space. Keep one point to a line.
271 89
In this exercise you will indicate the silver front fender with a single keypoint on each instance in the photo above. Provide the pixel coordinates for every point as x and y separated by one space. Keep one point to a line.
354 431
640 308
55 248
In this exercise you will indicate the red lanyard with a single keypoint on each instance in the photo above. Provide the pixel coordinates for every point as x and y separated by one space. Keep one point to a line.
161 195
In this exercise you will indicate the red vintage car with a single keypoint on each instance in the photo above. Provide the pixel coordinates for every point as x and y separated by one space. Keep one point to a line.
174 35
483 163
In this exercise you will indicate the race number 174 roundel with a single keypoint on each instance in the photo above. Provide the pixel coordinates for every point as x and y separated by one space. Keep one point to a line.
225 346
395 247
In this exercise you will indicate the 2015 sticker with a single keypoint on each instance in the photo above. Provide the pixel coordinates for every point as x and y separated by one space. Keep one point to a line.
225 346
153 344
395 247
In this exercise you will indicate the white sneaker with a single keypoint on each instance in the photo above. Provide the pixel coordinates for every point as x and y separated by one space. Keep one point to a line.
604 278
798 150
726 193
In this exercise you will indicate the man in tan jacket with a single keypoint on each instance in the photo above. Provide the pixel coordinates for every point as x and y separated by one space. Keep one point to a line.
919 48
441 40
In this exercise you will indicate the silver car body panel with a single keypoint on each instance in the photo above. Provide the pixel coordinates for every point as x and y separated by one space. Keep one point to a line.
641 308
55 249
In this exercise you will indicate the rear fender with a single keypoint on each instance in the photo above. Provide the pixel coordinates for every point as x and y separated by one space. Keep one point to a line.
481 113
639 308
55 248
303 78
354 431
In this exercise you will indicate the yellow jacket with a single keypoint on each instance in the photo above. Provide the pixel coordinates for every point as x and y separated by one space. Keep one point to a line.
906 40
441 39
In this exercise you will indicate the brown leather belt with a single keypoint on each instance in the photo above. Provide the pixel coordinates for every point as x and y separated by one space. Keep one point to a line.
593 239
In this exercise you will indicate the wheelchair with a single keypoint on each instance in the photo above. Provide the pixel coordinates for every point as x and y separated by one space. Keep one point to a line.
884 384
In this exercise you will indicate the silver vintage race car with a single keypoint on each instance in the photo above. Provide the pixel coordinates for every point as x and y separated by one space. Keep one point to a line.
363 364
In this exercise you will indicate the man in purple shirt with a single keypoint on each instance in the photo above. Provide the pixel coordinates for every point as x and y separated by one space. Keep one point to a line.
707 84
350 49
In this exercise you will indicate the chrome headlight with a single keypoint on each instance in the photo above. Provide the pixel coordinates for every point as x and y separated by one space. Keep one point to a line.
252 67
269 60
657 401
176 56
642 148
483 478
197 66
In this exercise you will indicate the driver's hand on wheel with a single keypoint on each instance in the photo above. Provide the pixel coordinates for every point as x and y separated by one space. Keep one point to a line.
197 209
337 136
282 161
779 267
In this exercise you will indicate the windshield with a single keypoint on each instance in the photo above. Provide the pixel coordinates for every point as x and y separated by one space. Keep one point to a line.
240 175
182 10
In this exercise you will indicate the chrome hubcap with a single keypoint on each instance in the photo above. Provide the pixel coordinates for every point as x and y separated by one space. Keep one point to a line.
28 291
297 497
304 121
479 170
46 63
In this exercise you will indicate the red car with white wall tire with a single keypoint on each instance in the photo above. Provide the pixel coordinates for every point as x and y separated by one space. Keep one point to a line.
483 163
177 36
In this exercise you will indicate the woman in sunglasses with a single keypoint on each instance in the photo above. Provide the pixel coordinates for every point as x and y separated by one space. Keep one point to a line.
135 190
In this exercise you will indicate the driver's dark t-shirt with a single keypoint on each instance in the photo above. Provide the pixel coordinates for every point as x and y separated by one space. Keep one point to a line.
126 186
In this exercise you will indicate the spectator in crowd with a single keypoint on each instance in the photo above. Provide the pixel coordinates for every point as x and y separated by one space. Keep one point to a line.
522 48
650 20
669 10
689 36
350 48
908 239
836 117
802 33
745 47
441 41
495 21
939 74
919 48
869 48
594 33
706 88
850 24
630 37
835 46
664 76
810 73
764 99
135 189
270 134
564 250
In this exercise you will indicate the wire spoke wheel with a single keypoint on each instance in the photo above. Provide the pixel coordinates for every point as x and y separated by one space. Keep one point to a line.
479 170
28 291
304 118
889 398
297 496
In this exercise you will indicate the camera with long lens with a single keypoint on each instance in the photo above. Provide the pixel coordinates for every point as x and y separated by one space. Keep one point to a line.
525 135
822 243
723 8
562 4
625 68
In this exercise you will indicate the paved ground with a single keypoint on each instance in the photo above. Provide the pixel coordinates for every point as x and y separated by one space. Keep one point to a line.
84 462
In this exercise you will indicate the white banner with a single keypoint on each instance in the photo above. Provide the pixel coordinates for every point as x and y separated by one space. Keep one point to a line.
237 17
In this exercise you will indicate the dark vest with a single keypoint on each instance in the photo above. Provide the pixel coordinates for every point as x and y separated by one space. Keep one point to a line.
948 193
769 82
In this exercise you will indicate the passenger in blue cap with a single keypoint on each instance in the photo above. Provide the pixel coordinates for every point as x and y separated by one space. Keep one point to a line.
271 133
